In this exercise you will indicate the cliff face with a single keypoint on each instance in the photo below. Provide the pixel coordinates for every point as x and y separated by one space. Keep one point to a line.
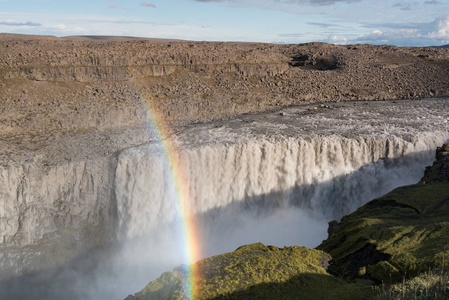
48 215
68 108
69 85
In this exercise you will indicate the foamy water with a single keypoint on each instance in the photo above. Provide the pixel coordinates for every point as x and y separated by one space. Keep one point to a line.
271 178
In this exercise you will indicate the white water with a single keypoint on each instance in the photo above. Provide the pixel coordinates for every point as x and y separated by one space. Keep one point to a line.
277 180
271 179
279 192
330 176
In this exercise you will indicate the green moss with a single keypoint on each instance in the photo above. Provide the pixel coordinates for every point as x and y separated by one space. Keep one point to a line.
384 271
259 272
168 286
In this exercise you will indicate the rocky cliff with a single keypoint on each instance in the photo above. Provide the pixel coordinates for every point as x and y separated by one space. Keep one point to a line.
50 85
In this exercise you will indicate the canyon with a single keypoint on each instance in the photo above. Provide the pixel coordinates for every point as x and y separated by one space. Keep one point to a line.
293 133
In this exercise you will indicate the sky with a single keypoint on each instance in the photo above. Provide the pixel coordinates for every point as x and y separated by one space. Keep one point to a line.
394 22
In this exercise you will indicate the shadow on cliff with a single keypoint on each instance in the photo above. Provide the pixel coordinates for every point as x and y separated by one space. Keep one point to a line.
96 275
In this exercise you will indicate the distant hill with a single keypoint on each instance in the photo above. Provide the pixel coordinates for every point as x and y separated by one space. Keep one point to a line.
118 38
17 36
443 46
193 81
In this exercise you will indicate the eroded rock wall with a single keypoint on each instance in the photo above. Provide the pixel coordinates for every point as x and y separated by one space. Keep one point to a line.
50 215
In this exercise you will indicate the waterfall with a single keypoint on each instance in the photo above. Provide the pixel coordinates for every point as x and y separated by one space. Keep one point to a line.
330 175
270 178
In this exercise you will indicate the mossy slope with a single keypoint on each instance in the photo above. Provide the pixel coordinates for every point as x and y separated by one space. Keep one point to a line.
257 271
401 234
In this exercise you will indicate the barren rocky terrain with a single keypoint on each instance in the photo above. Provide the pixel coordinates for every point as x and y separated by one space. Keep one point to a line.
55 87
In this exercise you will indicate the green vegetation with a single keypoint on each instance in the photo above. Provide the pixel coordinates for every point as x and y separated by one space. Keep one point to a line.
259 272
429 285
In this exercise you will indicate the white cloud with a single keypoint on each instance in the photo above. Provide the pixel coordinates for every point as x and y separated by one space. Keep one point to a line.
441 29
416 34
289 2
15 23
68 29
147 4
337 40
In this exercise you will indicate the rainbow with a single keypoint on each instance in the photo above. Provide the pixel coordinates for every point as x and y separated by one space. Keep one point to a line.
180 194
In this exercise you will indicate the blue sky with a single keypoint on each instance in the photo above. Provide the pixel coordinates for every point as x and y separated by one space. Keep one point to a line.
396 22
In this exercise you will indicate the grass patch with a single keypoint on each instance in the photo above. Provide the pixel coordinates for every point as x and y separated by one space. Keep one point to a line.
257 271
433 284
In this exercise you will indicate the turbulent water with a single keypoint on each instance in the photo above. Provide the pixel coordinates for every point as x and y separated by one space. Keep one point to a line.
278 178
330 175
329 162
